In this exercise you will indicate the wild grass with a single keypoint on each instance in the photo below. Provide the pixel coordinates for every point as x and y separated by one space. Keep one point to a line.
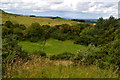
52 46
44 68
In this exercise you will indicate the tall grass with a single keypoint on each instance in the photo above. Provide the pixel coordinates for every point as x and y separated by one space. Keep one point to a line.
44 68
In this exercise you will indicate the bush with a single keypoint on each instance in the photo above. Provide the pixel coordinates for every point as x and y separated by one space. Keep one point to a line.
59 36
22 27
32 16
5 31
24 56
34 39
63 56
40 53
53 57
34 32
18 32
11 50
110 54
86 37
87 57
9 24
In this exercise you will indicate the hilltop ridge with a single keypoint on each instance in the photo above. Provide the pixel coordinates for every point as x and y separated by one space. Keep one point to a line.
27 20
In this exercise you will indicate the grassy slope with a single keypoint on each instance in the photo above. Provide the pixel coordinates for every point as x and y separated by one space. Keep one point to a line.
26 20
52 46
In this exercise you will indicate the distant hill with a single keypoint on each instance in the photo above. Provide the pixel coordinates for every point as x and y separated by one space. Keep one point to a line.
27 20
85 20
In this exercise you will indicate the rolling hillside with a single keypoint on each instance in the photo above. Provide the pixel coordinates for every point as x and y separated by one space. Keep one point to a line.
77 51
27 20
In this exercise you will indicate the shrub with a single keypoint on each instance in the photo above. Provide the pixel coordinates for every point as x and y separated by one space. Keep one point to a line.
32 16
53 57
5 31
40 53
88 56
63 56
11 49
59 36
35 31
9 24
34 39
86 37
18 32
11 52
22 27
24 56
110 55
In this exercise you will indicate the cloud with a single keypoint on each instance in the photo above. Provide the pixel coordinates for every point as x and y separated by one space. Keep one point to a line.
39 10
97 7
78 6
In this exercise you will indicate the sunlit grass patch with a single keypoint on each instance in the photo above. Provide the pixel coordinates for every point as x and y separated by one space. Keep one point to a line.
52 46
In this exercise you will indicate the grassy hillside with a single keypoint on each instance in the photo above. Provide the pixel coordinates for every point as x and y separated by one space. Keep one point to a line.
27 20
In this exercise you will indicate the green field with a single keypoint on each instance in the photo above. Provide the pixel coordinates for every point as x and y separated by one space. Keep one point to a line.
52 46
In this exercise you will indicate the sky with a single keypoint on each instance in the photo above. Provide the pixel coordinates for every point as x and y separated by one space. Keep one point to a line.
79 9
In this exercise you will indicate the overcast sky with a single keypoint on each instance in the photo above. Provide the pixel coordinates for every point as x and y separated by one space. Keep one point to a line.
83 9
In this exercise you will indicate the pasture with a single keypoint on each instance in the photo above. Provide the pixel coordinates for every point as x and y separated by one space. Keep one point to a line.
52 46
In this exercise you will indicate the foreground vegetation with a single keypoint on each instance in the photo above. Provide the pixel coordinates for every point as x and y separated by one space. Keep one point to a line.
45 68
83 45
